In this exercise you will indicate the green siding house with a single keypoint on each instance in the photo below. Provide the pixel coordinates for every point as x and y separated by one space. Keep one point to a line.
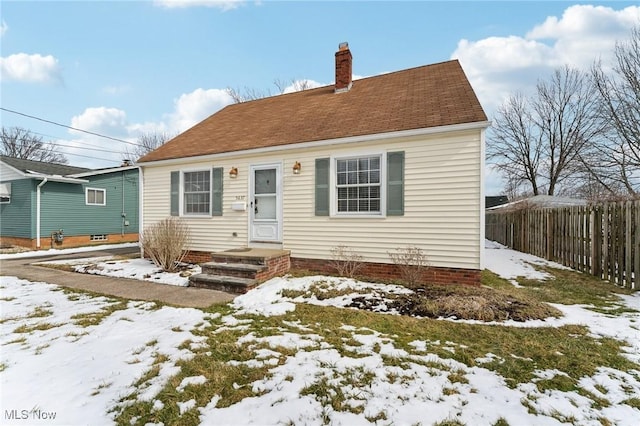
44 205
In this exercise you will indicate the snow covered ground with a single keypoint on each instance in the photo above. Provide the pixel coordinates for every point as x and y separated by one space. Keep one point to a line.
68 358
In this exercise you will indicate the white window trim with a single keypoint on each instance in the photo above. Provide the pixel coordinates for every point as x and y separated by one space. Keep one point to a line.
333 201
181 200
86 196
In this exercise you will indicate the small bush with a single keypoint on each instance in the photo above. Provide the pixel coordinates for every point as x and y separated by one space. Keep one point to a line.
345 261
412 263
165 243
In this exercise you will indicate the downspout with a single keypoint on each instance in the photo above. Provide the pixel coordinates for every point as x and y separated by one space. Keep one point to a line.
140 207
40 185
123 215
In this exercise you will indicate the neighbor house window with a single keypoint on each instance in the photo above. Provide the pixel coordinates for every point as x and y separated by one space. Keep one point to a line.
358 188
5 193
197 192
96 197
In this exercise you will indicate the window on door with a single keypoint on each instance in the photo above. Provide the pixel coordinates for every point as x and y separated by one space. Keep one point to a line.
265 193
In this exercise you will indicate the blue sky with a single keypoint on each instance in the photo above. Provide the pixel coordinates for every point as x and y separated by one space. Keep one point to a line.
121 68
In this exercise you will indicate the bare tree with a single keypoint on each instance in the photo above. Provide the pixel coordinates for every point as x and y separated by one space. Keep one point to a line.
536 141
21 143
250 94
146 143
615 161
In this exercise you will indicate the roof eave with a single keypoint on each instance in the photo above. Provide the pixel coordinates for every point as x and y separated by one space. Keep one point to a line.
476 125
56 178
103 171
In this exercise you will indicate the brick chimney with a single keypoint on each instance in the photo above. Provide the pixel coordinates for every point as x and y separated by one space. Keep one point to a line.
343 68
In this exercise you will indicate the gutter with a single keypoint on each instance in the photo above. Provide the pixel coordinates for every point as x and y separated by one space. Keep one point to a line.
40 185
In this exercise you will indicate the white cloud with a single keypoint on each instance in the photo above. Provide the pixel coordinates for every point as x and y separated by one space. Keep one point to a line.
298 85
499 66
30 68
224 5
3 28
191 108
102 120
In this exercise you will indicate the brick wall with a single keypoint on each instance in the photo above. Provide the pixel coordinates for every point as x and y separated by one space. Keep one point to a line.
277 266
386 271
69 241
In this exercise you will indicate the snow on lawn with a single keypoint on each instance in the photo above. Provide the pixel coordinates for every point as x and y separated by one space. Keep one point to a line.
55 252
53 364
510 264
49 363
138 269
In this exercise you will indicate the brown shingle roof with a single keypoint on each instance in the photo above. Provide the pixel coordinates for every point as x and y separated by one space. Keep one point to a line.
427 96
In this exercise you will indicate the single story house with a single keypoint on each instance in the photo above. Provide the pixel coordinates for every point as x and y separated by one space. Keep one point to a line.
45 205
374 164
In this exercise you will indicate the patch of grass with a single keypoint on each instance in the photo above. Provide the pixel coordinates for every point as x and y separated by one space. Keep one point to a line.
7 299
571 287
16 340
58 266
501 422
40 312
3 366
41 326
632 402
322 290
449 422
95 318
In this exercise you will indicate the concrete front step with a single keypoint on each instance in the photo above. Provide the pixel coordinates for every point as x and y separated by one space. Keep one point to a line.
223 283
242 270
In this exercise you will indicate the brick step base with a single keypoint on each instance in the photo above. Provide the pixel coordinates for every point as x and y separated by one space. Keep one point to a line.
223 283
242 270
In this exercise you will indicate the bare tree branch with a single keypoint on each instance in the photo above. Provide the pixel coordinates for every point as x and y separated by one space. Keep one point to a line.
21 143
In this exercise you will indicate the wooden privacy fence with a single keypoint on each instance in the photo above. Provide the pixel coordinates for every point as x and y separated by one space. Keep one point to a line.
600 239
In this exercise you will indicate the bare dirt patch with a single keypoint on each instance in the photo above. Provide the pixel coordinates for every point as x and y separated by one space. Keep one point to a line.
462 302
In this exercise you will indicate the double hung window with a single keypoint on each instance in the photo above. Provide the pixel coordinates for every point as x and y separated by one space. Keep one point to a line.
358 185
197 192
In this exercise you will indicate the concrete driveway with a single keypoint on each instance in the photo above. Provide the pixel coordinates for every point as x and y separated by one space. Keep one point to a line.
121 287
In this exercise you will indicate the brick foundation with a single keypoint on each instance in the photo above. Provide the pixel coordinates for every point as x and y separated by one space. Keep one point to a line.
387 271
279 265
69 241
197 257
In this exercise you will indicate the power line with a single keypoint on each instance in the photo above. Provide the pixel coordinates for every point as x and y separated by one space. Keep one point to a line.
68 127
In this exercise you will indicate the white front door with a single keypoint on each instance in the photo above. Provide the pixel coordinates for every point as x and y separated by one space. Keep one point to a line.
265 203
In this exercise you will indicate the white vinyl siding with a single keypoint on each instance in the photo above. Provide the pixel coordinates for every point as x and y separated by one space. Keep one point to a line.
442 202
95 197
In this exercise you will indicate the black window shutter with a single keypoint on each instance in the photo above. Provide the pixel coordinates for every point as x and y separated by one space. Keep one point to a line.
175 193
216 191
395 183
322 187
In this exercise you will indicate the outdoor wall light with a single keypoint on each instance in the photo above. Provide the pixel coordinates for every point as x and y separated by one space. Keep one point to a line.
233 173
296 168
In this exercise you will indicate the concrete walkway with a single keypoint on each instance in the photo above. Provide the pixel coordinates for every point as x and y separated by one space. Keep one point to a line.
121 287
